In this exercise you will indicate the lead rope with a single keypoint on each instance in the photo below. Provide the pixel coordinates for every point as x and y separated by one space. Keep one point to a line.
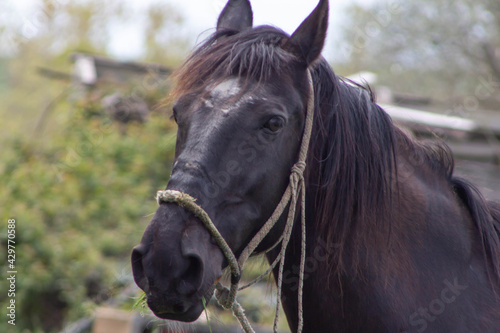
296 188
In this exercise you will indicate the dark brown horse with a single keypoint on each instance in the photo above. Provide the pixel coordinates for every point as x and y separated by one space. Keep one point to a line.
395 242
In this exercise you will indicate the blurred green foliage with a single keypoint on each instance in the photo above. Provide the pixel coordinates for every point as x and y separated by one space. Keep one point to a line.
46 34
80 186
79 199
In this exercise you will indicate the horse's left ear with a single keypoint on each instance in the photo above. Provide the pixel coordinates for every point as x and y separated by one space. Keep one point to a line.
237 16
308 40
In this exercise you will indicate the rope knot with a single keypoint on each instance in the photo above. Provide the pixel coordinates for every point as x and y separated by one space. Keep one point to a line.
299 168
222 296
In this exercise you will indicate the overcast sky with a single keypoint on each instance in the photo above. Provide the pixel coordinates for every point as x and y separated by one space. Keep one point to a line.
201 15
285 14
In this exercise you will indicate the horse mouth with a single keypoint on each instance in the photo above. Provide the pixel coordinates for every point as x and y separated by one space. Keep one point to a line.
184 311
186 315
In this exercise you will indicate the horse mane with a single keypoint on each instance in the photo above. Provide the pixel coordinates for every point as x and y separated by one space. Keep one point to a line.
352 174
352 171
351 166
486 216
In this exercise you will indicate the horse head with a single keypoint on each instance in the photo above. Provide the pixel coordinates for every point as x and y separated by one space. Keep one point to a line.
240 108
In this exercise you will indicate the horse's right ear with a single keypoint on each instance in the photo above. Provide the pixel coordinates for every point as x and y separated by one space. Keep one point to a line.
237 16
308 40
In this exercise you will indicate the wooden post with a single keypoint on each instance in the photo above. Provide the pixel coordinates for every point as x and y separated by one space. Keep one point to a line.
109 320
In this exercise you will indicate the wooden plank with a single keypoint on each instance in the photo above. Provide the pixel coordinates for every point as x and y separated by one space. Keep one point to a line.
109 320
430 118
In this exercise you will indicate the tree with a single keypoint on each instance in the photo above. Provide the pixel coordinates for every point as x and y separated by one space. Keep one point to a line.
450 47
164 28
52 29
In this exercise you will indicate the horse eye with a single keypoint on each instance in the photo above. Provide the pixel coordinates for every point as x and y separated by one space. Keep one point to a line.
274 124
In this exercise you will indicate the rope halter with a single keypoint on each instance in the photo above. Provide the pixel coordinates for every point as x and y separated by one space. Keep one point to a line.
296 188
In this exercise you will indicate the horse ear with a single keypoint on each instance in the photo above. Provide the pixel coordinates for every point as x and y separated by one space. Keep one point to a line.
237 15
308 40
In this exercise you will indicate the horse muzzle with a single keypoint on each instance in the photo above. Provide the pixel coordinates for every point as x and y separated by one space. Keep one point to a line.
176 265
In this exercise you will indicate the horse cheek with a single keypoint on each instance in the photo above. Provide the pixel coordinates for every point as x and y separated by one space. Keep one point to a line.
247 151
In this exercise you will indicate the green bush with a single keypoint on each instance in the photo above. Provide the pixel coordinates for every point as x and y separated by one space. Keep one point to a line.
81 197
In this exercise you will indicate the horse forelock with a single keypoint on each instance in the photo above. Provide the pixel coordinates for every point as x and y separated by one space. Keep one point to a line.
254 55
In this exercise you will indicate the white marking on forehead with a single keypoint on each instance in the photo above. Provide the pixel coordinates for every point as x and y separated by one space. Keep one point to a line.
238 104
226 89
222 92
208 103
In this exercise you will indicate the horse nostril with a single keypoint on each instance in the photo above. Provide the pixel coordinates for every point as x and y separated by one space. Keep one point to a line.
191 280
137 268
